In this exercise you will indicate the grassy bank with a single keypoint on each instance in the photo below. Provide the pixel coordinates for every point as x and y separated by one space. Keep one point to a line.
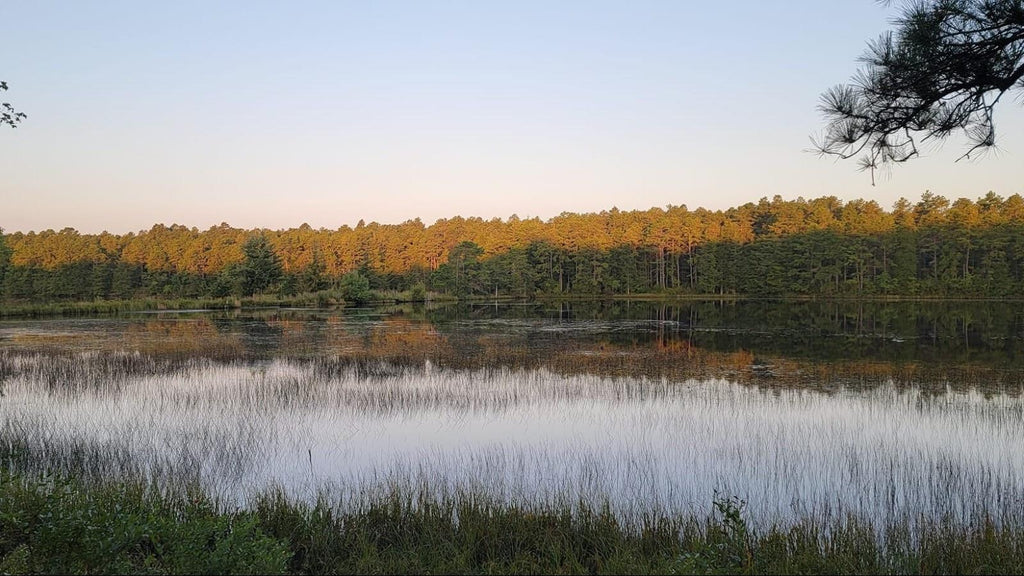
322 299
55 526
100 307
329 298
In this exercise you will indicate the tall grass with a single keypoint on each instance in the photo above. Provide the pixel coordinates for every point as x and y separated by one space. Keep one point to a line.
527 438
98 307
56 525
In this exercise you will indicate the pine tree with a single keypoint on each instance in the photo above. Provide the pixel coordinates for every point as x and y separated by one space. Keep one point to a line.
5 256
261 267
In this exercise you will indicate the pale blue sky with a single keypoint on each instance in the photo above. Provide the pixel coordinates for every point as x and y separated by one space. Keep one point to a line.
271 114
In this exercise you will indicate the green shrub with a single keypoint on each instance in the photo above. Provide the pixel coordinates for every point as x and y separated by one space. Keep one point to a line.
57 526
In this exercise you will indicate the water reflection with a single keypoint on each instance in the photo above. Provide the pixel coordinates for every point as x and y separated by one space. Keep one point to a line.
877 409
520 435
814 344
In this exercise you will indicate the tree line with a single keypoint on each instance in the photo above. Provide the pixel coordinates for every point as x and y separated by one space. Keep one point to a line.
817 247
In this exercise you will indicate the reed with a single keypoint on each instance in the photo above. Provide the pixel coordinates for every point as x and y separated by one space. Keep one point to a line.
301 441
528 437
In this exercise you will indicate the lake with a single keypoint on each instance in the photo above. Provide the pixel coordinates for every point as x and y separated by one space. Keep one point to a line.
883 411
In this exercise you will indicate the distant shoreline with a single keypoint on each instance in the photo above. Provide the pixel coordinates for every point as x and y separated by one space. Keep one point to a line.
331 300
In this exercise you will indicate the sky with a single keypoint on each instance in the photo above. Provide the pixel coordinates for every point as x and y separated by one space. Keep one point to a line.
275 114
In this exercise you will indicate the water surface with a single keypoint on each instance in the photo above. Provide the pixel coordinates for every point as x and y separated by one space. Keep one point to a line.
885 412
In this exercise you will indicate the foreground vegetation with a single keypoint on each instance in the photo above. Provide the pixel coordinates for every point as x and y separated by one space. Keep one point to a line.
51 525
91 524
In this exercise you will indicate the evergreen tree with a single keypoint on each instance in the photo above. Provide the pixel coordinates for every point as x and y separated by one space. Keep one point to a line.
5 257
312 278
8 115
261 268
943 70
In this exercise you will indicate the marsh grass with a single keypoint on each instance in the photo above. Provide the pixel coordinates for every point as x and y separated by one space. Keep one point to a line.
52 524
272 440
101 307
319 299
531 439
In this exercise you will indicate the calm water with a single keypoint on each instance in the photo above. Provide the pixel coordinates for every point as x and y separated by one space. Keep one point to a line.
883 411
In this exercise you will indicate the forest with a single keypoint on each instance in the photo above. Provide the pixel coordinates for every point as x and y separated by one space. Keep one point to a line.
819 247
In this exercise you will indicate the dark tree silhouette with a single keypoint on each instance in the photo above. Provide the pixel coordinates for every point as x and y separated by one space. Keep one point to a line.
261 267
8 115
944 69
5 257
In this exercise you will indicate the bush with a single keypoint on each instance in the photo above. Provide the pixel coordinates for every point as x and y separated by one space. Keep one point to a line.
59 526
418 293
355 288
